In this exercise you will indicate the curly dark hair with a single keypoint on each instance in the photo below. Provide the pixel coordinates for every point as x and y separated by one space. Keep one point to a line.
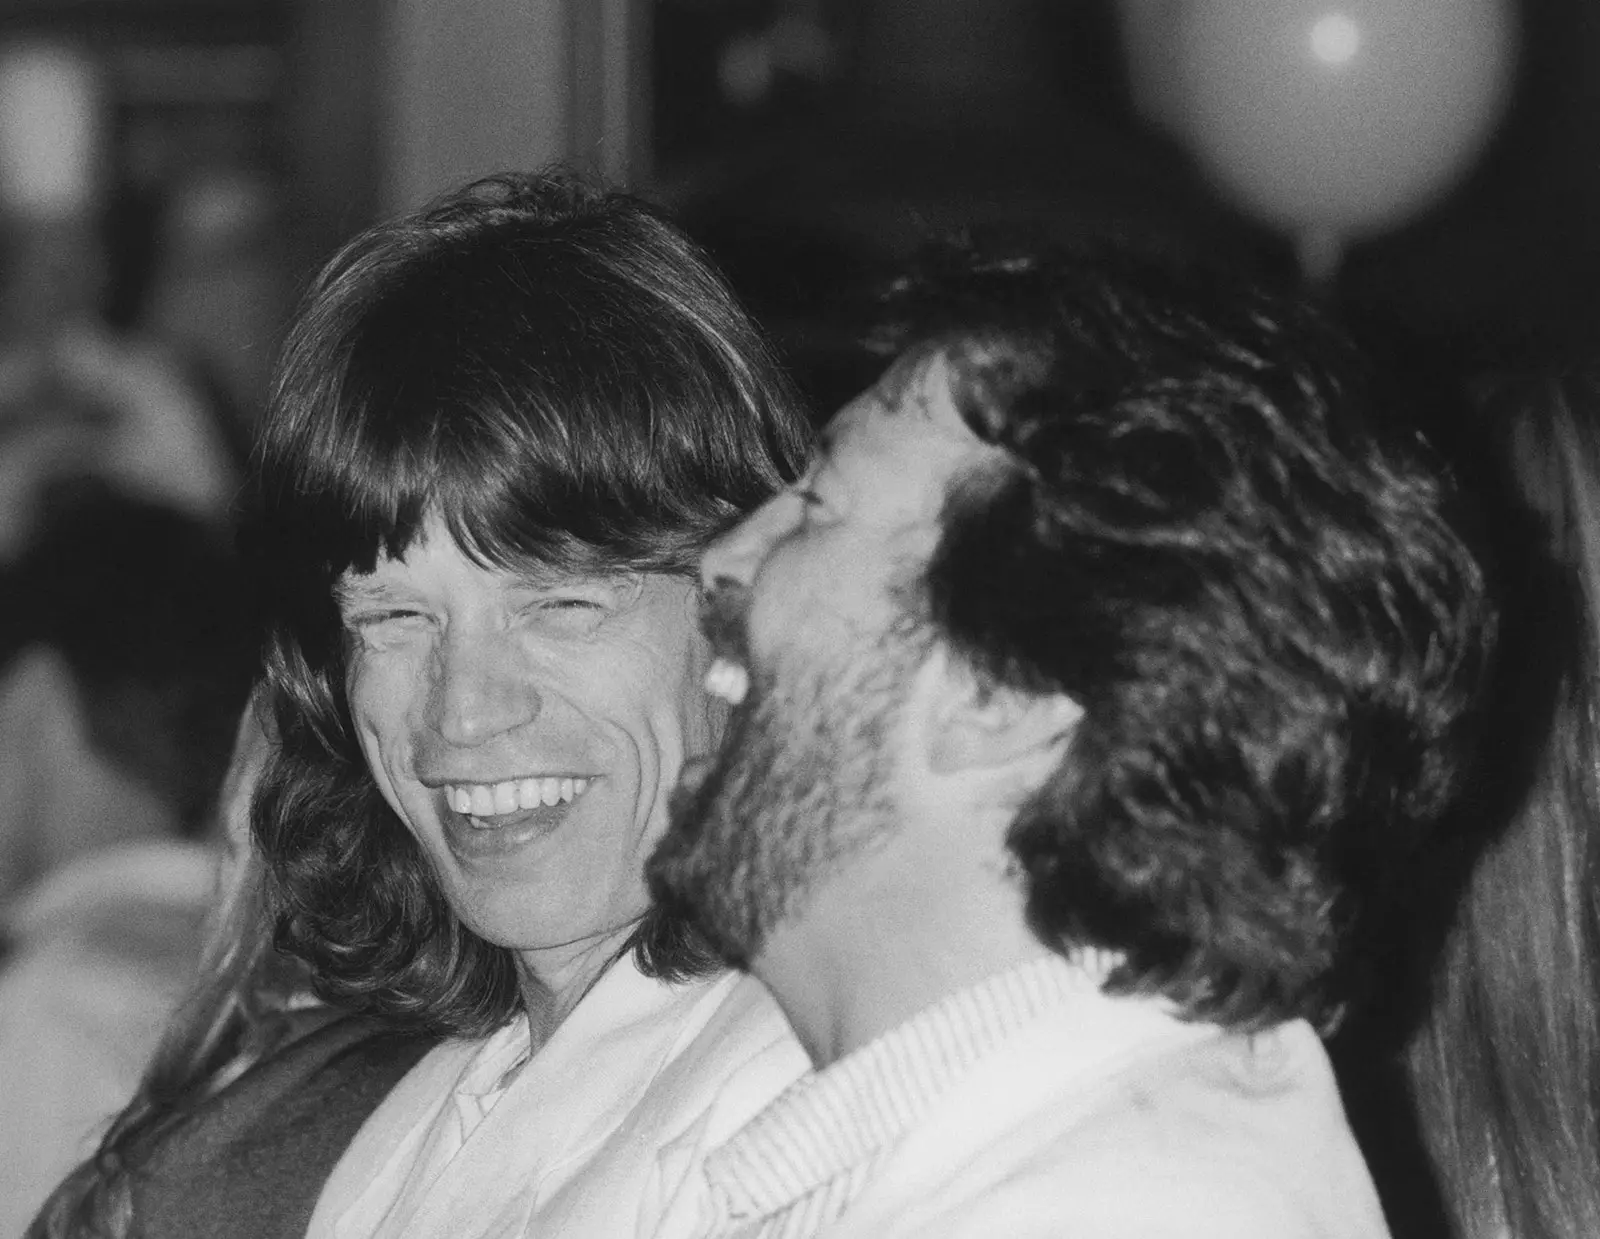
558 374
1262 597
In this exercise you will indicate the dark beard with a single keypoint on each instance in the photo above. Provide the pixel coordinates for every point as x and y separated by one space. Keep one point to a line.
799 789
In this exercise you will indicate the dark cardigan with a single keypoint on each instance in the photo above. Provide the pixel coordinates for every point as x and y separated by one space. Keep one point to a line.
252 1160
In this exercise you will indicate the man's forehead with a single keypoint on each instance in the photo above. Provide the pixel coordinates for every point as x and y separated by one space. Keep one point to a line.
436 540
903 385
913 395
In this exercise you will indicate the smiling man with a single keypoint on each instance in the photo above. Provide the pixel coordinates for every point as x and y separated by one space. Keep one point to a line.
527 730
1084 690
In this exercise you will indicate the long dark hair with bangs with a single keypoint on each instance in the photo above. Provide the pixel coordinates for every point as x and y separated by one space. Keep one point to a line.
558 374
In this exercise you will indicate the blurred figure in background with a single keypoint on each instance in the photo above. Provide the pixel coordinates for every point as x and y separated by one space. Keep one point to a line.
126 652
217 291
126 644
78 397
1506 1066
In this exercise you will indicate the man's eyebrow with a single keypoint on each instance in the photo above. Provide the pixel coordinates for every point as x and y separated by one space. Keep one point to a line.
902 388
352 591
544 576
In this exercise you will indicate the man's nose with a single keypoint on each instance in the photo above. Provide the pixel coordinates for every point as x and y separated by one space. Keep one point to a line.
738 554
480 689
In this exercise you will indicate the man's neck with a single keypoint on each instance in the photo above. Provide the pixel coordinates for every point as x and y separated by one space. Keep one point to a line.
554 980
867 955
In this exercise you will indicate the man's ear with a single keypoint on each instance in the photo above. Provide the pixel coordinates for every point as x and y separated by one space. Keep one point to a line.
975 728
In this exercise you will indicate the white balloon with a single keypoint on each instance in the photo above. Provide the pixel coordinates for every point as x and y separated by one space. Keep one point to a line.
1337 118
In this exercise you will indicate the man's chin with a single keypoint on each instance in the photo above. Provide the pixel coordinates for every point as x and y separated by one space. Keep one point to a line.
685 813
675 861
687 872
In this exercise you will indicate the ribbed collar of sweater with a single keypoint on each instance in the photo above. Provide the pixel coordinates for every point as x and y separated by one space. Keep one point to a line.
841 1120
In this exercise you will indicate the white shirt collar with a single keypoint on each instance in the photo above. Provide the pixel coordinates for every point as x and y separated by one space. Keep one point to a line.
460 1148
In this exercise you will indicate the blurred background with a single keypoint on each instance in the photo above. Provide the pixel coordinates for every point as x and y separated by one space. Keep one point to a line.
202 156
173 171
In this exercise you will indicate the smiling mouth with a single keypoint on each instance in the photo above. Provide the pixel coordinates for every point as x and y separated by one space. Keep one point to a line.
492 800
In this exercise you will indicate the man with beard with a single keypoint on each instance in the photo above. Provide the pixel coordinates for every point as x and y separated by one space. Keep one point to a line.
1087 691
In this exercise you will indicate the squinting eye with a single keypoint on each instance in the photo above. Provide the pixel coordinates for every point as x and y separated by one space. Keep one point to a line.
813 507
379 628
573 616
375 618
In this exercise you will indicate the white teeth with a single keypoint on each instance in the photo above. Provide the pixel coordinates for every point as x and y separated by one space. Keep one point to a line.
495 799
728 680
528 794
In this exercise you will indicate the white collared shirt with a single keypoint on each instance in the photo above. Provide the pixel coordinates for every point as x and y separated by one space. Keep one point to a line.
476 1143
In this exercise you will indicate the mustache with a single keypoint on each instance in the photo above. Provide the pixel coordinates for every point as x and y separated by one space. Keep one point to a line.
724 612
